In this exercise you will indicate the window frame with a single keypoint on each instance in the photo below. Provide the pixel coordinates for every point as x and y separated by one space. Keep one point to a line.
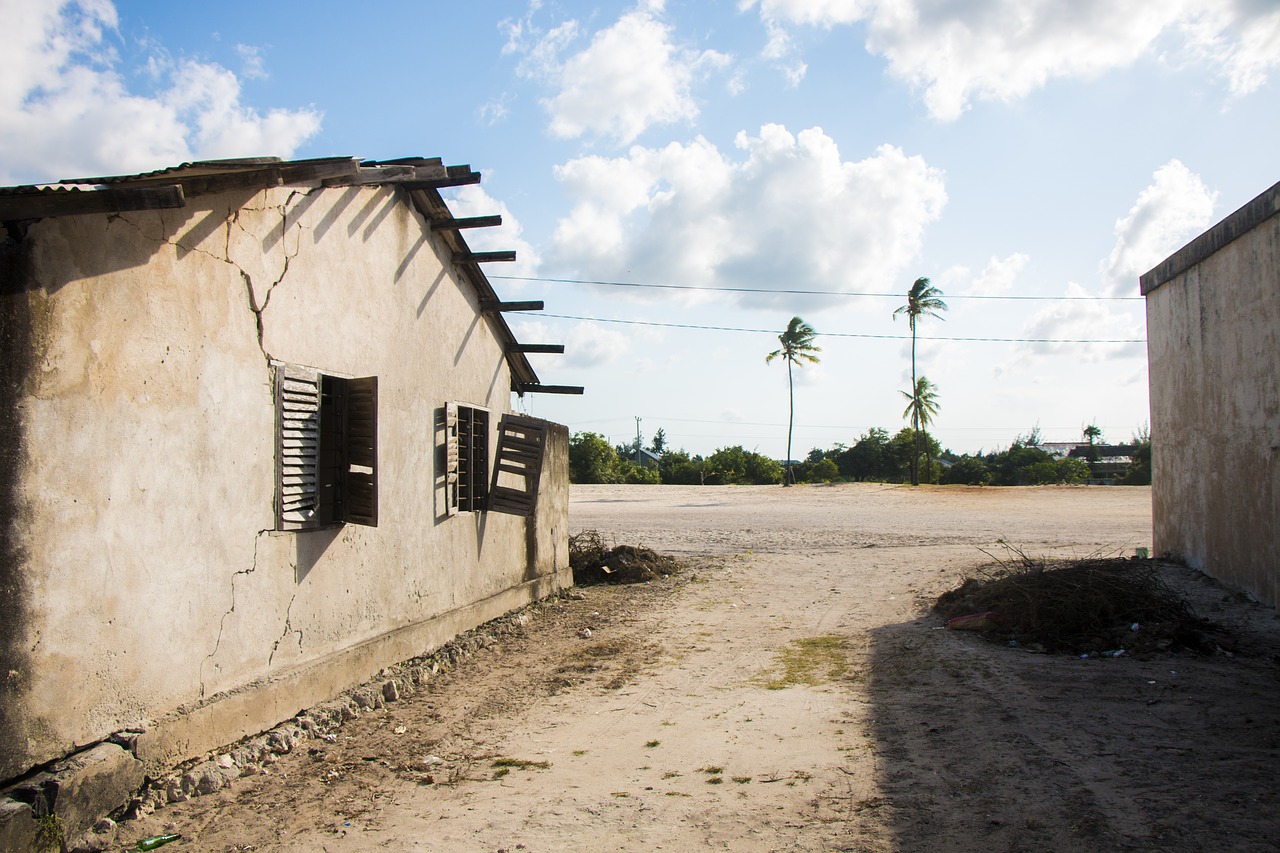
466 458
326 449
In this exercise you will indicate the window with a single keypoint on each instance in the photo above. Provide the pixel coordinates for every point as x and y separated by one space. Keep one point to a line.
466 458
326 449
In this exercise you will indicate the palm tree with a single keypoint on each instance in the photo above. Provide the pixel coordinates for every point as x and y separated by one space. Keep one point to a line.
1092 433
921 406
923 300
797 348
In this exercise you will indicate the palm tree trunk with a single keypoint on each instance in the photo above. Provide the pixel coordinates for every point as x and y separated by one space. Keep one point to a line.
915 419
791 419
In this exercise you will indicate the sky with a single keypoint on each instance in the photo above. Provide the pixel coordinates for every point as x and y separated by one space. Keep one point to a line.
681 178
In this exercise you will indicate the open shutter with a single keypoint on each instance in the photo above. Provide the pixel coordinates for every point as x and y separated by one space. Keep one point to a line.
451 453
360 469
521 445
297 394
473 459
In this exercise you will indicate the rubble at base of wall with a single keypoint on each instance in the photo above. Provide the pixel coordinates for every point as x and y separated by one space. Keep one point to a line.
70 798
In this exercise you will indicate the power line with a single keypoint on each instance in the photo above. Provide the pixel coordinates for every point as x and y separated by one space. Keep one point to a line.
789 292
846 334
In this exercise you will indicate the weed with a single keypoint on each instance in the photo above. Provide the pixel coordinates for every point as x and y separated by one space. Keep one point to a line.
742 780
670 774
650 744
49 832
711 770
581 752
715 780
500 772
809 661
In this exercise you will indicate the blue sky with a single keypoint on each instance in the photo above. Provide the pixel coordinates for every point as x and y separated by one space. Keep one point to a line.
1005 148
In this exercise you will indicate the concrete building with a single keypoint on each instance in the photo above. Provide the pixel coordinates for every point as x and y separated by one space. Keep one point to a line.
1213 332
251 413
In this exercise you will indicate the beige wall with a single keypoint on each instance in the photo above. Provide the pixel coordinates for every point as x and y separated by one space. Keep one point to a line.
152 578
1213 329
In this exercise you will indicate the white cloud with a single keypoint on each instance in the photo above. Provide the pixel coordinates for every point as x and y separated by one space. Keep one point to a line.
630 77
593 344
959 51
255 66
1072 327
999 275
787 213
474 201
1175 207
66 112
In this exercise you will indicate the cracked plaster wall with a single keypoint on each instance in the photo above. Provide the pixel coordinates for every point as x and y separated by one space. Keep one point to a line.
157 581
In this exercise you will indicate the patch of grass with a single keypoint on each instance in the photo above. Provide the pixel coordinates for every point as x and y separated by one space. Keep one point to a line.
715 780
650 744
580 752
500 772
742 780
710 769
810 661
678 794
619 794
670 774
49 832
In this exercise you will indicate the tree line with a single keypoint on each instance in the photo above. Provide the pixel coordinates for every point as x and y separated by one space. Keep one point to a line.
877 457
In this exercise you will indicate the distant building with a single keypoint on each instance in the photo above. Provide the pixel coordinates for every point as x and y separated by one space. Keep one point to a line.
1213 339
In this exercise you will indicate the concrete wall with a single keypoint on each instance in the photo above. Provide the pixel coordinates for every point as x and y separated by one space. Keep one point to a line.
1213 330
143 583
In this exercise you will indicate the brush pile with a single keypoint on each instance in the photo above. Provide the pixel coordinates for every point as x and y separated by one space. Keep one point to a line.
593 563
1092 607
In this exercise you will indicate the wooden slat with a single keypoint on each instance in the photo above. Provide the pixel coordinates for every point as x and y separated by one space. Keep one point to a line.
547 348
77 202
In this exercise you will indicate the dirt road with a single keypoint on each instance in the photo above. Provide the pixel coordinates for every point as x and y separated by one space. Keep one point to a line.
789 691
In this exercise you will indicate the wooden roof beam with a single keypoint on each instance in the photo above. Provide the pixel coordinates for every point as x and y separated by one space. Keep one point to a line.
466 222
554 349
483 257
501 307
527 388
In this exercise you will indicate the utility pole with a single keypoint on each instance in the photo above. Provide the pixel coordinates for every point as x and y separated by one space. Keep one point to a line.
637 439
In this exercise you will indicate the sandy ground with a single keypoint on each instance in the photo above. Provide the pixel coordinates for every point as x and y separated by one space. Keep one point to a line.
789 690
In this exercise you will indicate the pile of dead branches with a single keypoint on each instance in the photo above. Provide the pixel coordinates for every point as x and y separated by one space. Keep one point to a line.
1094 606
593 562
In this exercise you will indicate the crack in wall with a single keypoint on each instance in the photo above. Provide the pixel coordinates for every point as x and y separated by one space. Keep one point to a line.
222 623
288 629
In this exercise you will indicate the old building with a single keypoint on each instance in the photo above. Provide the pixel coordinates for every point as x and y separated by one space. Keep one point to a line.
1213 331
256 443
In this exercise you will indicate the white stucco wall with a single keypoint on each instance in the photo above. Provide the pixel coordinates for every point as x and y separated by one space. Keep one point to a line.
156 580
1213 329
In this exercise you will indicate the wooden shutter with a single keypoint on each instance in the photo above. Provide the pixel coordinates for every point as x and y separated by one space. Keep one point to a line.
521 445
451 453
360 498
473 459
297 393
